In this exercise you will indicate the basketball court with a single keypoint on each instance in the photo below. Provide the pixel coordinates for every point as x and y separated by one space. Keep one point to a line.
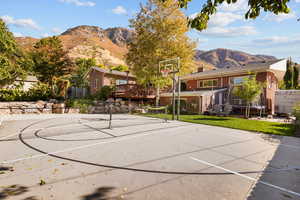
79 157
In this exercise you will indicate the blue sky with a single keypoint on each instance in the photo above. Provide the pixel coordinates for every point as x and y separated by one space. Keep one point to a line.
268 34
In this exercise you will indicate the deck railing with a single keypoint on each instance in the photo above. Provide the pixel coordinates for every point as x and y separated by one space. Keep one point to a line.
133 90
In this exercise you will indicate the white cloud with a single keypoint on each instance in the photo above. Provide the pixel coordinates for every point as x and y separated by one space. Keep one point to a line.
119 10
298 1
240 5
223 19
26 23
230 31
45 35
278 40
280 17
79 3
18 35
56 30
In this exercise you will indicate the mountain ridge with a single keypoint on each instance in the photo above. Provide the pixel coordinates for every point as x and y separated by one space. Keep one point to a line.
109 47
222 57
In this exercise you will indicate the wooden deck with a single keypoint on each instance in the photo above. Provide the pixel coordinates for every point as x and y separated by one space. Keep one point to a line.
134 91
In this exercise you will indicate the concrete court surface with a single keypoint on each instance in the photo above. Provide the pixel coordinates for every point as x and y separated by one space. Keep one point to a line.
70 157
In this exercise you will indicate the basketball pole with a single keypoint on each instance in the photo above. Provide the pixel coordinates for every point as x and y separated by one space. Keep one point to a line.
174 71
174 100
179 90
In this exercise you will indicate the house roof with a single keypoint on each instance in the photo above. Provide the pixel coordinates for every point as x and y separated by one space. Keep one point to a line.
113 72
28 79
276 65
194 93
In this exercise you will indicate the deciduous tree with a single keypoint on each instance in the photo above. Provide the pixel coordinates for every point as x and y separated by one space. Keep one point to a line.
82 67
14 63
248 91
255 9
51 61
160 33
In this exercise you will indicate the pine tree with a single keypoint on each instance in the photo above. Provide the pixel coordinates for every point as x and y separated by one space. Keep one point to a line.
289 75
296 76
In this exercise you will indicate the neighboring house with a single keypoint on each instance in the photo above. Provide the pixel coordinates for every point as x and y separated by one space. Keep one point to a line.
124 83
204 89
25 84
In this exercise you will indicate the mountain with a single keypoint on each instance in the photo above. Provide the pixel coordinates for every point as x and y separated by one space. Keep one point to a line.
109 47
229 58
120 36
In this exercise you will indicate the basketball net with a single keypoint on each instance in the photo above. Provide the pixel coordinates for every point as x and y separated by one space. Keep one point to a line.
165 72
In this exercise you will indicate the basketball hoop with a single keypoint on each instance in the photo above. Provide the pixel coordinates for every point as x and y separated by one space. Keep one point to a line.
165 72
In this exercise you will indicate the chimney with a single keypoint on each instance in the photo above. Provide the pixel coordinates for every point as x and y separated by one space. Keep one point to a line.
200 69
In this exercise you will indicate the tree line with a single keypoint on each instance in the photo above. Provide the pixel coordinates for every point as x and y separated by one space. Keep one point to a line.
48 61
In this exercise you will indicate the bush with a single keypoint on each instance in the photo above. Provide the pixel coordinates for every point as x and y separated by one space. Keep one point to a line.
81 104
183 106
11 95
296 113
37 92
104 93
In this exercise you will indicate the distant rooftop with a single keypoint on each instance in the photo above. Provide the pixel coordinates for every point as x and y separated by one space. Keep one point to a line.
250 67
114 72
28 79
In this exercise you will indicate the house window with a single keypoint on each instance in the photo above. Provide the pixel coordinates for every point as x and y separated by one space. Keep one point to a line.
121 82
238 80
237 101
96 81
199 84
207 83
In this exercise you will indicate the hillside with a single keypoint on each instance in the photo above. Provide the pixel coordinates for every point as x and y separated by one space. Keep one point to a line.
229 58
108 47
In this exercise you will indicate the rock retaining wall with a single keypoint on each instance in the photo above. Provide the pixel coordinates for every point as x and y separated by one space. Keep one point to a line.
39 107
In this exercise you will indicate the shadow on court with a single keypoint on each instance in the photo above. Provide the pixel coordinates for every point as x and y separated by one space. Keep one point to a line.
15 190
99 194
285 157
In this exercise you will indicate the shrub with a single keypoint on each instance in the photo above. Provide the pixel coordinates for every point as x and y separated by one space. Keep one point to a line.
81 104
183 107
296 113
104 93
11 94
37 92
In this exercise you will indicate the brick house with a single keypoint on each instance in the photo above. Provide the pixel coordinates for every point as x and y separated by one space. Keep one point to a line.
124 83
205 88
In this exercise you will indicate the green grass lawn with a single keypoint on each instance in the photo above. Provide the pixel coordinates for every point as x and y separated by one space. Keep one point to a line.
236 123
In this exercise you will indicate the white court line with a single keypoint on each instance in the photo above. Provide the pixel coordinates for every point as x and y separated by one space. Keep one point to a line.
38 129
8 136
83 147
246 177
53 127
290 146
